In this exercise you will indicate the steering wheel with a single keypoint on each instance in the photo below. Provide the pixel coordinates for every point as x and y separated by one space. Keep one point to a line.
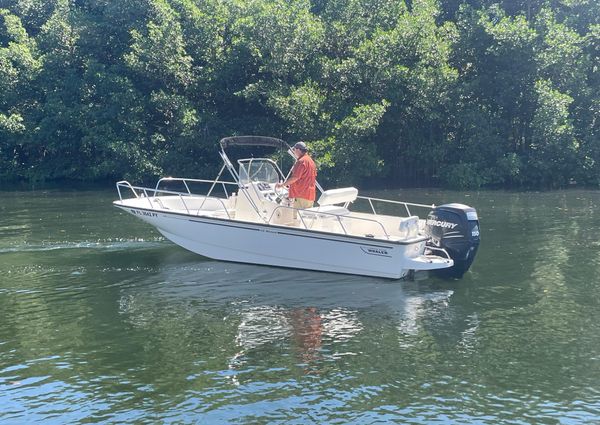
281 192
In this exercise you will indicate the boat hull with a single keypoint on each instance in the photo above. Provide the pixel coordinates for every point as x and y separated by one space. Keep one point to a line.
282 246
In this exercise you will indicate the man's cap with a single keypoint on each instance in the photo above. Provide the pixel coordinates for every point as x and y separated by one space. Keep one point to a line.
301 146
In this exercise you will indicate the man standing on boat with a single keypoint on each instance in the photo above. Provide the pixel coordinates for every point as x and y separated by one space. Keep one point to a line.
302 178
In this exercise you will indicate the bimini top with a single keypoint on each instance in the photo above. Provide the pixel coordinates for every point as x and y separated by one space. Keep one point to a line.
253 141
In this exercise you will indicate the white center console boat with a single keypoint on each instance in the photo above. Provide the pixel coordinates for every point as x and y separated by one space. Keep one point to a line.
247 219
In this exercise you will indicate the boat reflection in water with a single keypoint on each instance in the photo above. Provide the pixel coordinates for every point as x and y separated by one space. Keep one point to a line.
305 330
309 320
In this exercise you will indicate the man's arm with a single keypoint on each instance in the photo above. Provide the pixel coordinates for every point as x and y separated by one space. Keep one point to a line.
295 175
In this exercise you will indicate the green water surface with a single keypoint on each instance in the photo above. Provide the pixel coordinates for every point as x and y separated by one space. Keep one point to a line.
103 321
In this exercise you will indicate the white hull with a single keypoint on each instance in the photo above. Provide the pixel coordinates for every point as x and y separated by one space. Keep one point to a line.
282 246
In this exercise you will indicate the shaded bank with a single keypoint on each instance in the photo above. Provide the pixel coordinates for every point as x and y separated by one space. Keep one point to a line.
481 94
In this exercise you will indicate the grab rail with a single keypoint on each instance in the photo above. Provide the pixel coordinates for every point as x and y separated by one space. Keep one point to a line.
442 250
212 182
389 201
134 189
151 194
186 180
337 216
126 184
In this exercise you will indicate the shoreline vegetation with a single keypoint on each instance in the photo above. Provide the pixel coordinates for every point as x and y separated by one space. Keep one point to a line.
463 95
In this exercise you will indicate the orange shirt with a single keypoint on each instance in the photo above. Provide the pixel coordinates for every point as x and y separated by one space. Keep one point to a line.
306 172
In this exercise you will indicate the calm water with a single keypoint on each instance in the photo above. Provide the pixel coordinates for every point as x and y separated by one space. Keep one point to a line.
103 321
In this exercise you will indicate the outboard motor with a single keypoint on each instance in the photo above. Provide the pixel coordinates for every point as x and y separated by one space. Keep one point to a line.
455 228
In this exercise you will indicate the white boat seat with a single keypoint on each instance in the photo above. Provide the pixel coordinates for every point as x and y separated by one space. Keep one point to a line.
409 227
328 198
338 196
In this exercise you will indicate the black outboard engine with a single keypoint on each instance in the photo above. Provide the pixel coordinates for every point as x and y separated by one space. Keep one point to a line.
454 227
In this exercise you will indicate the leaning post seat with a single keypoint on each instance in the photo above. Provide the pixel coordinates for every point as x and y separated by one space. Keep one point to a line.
342 195
329 198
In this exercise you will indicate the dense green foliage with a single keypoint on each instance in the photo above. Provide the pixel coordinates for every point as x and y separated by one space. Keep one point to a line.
464 94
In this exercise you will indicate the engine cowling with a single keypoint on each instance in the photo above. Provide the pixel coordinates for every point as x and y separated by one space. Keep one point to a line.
455 228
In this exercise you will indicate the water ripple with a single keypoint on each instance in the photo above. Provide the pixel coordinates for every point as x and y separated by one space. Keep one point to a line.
107 244
107 322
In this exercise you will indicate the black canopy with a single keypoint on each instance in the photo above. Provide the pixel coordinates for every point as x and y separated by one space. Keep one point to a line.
252 141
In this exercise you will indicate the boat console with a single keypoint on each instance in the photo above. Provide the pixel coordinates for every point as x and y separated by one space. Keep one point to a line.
268 192
262 198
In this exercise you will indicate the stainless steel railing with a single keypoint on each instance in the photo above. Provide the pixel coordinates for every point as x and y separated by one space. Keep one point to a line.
152 195
302 214
389 201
